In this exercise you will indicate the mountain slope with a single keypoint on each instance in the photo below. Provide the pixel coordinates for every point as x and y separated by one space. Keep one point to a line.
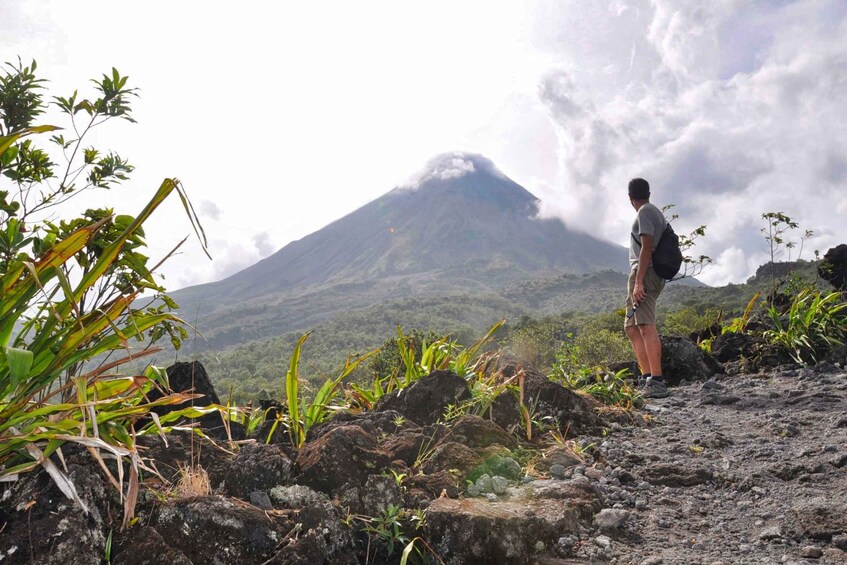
461 227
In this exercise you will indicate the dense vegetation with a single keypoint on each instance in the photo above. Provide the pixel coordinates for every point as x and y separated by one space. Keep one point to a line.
541 315
69 289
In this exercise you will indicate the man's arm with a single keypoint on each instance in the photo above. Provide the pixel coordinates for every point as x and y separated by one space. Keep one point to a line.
644 259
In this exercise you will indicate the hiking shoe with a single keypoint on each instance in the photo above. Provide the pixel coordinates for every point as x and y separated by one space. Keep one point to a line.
655 389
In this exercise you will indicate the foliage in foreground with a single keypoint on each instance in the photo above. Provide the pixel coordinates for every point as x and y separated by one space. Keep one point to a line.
69 291
813 323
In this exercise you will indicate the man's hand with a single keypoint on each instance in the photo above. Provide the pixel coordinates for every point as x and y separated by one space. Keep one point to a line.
638 293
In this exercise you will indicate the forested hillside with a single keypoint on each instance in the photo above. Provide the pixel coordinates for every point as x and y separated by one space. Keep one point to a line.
544 309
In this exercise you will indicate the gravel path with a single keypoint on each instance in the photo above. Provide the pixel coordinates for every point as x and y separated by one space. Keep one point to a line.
743 469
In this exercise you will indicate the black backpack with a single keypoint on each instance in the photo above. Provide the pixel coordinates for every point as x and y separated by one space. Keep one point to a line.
667 258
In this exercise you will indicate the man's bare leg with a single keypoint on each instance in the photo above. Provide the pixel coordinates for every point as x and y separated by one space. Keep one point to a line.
638 346
652 347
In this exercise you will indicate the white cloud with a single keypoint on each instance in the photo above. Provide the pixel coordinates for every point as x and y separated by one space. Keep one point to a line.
229 257
208 209
730 108
448 166
264 245
724 135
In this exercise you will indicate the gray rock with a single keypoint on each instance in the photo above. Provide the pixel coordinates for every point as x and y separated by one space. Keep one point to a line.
296 496
499 484
557 471
473 490
565 543
770 533
610 520
484 484
811 552
507 467
260 499
603 542
840 541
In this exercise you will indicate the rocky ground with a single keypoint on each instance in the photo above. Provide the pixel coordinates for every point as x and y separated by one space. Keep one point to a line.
737 469
747 468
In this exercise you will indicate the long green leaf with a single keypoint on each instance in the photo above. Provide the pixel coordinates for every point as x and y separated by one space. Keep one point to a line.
19 362
292 391
110 254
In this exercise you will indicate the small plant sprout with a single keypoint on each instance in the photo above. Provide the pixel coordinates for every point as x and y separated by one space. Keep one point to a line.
193 481
400 421
399 478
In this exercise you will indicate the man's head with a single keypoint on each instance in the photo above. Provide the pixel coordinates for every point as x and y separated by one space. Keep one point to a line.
639 191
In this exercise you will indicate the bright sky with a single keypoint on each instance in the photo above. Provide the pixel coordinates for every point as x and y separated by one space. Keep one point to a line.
280 117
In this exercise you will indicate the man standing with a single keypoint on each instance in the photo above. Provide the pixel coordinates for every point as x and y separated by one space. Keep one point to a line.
644 287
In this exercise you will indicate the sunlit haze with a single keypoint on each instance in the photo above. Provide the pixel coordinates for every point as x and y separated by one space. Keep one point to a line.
282 117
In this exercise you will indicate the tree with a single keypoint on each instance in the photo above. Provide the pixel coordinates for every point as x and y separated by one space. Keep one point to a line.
70 288
691 265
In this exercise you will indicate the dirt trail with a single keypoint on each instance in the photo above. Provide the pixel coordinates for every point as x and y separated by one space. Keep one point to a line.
744 469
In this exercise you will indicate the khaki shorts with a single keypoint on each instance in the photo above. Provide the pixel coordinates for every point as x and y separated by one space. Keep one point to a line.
645 314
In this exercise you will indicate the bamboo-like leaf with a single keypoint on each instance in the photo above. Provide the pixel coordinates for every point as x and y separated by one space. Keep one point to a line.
55 256
62 481
110 254
132 492
192 217
7 141
190 412
292 386
110 388
465 356
19 362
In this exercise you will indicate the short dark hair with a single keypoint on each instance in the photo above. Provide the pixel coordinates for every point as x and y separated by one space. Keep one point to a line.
639 189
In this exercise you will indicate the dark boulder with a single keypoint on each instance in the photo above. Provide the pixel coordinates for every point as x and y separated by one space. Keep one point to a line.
191 376
41 525
211 529
147 547
474 431
323 539
425 400
382 423
421 489
683 360
258 467
833 268
547 399
373 498
732 346
529 523
346 455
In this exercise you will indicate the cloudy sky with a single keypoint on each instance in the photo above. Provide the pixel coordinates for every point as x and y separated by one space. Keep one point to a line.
280 117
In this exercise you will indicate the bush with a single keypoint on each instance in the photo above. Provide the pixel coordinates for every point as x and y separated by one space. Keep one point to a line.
812 323
69 290
689 320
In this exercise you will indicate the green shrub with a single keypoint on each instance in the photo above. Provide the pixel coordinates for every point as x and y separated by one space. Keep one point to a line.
582 361
813 322
69 290
689 320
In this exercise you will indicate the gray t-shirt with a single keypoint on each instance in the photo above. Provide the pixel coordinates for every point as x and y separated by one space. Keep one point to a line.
648 221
